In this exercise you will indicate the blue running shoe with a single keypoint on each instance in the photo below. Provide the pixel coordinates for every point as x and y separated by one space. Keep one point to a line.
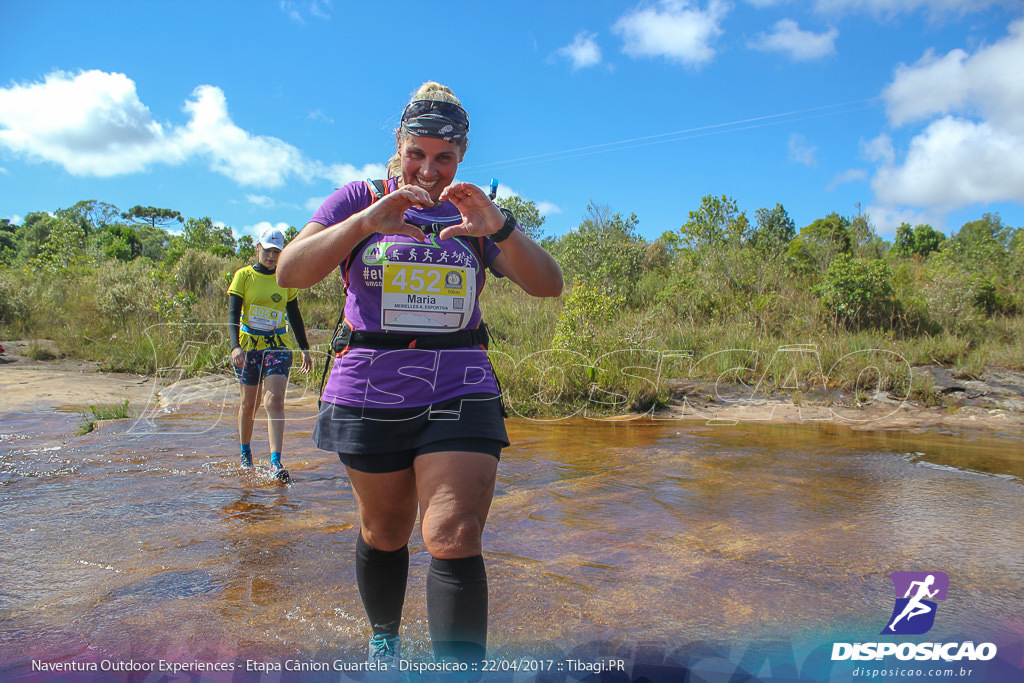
279 472
247 460
385 650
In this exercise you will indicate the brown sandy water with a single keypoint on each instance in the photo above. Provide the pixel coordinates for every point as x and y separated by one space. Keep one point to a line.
145 541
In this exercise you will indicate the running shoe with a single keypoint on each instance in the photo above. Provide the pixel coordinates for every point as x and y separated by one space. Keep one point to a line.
386 650
280 473
247 460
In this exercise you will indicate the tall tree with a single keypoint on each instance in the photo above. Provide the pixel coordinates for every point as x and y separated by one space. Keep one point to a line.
715 234
820 242
526 213
63 247
774 229
198 234
919 240
153 216
716 223
982 244
8 240
604 250
864 241
121 242
246 247
33 234
93 216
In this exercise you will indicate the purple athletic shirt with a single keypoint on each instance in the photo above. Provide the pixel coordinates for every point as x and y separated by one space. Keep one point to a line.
397 284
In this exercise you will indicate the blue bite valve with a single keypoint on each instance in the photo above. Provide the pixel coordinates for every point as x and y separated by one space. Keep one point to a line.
494 189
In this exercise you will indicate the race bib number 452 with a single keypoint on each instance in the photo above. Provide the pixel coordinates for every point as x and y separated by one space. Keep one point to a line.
425 298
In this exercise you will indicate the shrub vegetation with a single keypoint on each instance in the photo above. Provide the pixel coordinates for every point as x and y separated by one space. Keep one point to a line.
716 298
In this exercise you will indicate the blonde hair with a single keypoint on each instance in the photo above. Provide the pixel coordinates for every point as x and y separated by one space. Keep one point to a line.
430 90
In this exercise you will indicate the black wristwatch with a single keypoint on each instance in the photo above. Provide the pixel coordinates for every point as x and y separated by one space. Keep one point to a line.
505 230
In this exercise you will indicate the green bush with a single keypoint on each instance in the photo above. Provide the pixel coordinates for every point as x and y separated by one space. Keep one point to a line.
857 292
202 273
585 323
14 299
124 291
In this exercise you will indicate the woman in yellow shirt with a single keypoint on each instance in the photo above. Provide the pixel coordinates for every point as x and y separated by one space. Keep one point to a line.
260 312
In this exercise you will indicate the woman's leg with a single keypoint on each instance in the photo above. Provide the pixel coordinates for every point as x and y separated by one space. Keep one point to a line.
455 491
387 515
275 387
249 396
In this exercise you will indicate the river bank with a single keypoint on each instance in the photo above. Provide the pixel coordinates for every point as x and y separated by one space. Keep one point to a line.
992 401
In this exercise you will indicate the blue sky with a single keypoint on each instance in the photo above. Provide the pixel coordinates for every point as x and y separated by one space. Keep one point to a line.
252 112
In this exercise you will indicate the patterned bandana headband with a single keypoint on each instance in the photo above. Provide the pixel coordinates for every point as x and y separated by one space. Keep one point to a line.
435 119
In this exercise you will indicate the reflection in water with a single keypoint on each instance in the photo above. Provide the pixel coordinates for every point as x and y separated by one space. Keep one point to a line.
153 544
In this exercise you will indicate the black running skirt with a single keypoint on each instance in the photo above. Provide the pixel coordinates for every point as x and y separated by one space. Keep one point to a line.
344 429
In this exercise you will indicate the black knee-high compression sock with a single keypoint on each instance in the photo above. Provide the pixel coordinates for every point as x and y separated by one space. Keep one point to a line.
457 608
382 576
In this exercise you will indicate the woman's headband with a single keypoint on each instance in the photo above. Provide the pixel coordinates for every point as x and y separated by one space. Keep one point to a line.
435 119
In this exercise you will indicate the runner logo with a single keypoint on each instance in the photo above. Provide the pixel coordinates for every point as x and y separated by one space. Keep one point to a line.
914 611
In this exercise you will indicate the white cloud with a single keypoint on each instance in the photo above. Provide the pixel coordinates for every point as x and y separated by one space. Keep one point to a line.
548 208
94 124
292 10
504 191
319 115
986 84
245 158
91 124
674 29
972 146
955 163
852 175
879 148
932 86
260 200
543 208
341 174
321 9
801 151
787 37
582 52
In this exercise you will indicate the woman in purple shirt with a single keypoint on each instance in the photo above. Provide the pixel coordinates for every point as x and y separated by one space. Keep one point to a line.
412 406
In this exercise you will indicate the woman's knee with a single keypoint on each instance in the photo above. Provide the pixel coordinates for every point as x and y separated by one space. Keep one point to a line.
387 527
249 401
387 535
274 401
452 536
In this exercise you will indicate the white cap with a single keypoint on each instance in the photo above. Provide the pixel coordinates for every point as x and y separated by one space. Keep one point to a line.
272 238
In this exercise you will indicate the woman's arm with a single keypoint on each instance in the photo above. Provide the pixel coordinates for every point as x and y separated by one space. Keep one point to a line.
234 324
298 325
318 249
521 260
299 330
529 265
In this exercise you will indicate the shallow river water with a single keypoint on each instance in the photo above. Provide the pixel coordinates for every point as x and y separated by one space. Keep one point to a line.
674 547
